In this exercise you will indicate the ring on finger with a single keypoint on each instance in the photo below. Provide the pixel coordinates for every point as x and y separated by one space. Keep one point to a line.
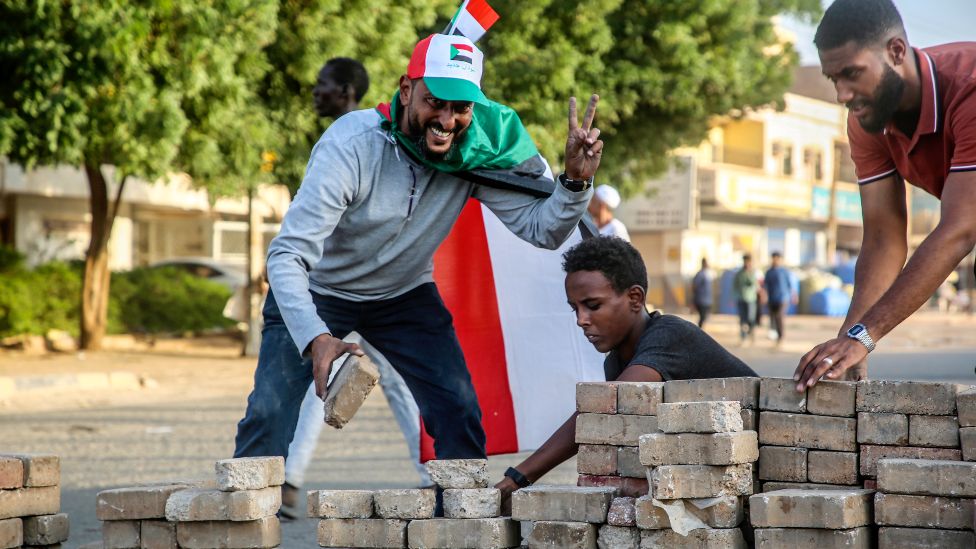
828 360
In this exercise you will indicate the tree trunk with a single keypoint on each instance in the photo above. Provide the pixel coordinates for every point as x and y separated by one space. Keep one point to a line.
95 284
255 277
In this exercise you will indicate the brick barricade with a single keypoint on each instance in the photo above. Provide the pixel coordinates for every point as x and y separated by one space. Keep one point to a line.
30 501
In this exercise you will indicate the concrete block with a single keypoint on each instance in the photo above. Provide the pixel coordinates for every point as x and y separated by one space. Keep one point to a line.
924 538
564 535
24 502
830 509
966 407
356 378
617 537
11 533
880 428
832 398
750 420
525 528
871 454
779 394
562 503
408 503
807 431
138 502
46 529
639 398
459 473
367 533
699 417
617 430
597 459
700 481
812 538
783 463
39 469
625 486
11 473
622 512
121 534
967 439
775 486
722 512
255 534
923 511
704 538
907 397
628 462
201 504
744 390
927 477
699 449
158 534
340 503
472 503
447 533
252 473
832 467
937 431
596 397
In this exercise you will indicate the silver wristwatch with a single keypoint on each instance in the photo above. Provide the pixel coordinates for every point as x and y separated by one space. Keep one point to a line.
860 333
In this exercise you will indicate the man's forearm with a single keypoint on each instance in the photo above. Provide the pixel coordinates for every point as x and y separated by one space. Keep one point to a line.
878 266
556 449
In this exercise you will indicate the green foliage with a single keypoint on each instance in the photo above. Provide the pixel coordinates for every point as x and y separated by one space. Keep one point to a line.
35 301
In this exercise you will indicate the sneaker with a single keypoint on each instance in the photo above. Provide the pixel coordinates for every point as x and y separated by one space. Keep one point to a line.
290 499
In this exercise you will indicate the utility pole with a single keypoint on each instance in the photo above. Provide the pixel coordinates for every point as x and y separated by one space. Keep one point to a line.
255 277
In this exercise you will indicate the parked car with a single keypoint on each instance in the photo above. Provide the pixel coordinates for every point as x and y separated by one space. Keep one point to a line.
230 275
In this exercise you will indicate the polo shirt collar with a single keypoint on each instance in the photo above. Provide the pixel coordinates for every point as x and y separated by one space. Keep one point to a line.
928 120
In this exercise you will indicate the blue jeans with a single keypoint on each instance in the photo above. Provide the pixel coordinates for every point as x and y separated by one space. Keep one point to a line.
414 331
747 317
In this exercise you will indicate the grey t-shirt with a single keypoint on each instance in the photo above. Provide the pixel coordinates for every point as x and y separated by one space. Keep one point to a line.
678 349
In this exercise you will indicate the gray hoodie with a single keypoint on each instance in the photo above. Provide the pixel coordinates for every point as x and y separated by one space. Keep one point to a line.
367 220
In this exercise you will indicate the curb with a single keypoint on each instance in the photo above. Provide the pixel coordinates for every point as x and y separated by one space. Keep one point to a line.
22 385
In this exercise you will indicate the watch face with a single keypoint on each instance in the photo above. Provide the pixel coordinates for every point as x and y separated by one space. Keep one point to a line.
855 330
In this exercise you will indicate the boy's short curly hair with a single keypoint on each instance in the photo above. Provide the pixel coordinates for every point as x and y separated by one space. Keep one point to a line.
615 258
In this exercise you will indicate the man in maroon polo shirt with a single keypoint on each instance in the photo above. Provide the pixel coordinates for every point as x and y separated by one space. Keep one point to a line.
912 118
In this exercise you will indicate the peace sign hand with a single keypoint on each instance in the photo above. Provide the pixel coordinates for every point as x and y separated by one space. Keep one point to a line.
583 145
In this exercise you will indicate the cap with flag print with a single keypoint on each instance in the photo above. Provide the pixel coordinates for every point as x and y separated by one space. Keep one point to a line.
472 20
451 67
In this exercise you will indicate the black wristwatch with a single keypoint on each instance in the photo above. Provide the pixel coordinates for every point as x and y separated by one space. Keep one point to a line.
517 477
575 185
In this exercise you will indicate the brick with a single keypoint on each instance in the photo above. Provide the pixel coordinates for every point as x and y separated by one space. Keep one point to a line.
446 533
779 394
783 463
699 449
23 502
749 420
201 504
812 538
701 481
924 538
776 486
966 407
967 439
367 533
723 512
525 528
830 509
871 484
251 473
158 534
597 459
617 537
622 512
927 477
832 398
596 397
254 534
404 503
699 417
40 469
121 534
832 467
639 398
625 486
459 473
472 503
923 511
11 473
878 428
340 503
703 538
807 431
139 502
356 378
11 533
745 390
562 503
937 431
871 454
46 529
568 535
628 462
617 430
907 397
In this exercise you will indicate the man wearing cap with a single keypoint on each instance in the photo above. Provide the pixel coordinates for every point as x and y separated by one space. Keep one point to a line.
381 191
605 200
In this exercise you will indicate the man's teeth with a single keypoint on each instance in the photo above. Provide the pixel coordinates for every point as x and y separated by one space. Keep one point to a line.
439 133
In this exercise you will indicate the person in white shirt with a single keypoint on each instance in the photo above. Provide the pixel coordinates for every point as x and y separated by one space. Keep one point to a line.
605 200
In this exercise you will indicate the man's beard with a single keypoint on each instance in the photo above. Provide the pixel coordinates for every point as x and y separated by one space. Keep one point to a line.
418 134
887 96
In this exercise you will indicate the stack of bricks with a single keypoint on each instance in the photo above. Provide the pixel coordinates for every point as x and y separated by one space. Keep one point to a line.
700 467
812 518
30 498
405 517
966 412
237 511
925 504
611 418
809 439
569 517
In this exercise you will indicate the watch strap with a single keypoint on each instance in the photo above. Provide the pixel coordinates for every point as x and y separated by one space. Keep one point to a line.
575 185
521 480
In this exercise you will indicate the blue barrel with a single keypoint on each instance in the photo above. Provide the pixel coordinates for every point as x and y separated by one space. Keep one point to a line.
830 302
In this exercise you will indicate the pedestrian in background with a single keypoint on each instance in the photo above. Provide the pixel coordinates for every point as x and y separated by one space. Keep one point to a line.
780 296
745 288
702 292
605 200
